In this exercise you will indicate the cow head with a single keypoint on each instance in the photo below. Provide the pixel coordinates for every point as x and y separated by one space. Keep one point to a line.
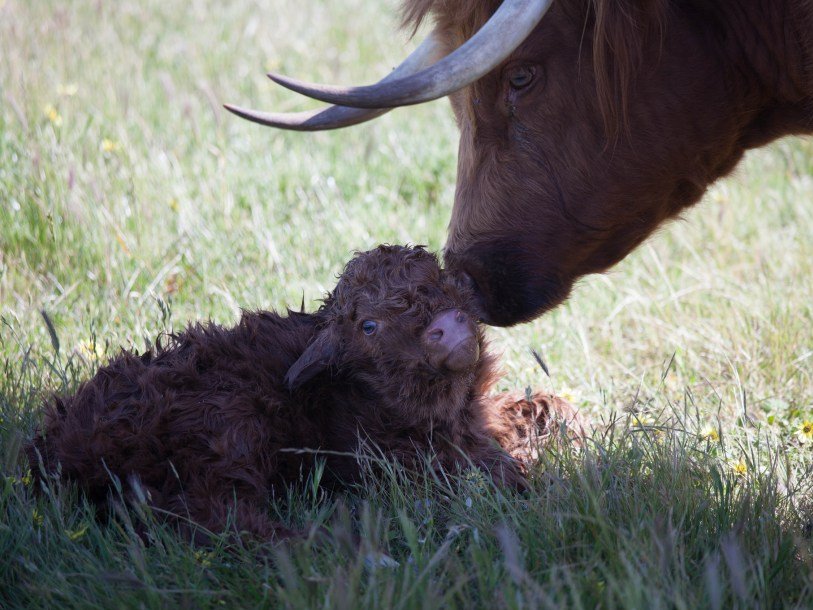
580 132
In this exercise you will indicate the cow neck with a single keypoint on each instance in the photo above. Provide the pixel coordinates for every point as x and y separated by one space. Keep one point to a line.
772 42
803 25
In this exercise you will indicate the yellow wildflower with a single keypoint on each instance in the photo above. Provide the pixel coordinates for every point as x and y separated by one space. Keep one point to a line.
740 468
52 114
806 431
204 558
173 204
642 420
110 146
75 535
710 433
568 394
26 478
36 517
90 350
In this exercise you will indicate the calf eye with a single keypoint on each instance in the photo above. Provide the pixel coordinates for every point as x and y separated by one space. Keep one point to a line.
369 327
521 76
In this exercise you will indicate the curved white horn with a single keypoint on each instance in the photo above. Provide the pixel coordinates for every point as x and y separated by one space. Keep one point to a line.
489 47
334 117
331 117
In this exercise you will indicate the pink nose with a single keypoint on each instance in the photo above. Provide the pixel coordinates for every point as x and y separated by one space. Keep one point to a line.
451 340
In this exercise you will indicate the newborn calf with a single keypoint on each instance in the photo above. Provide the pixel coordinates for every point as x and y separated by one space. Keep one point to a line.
204 427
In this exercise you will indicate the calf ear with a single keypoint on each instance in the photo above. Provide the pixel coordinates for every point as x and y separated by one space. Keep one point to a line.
315 359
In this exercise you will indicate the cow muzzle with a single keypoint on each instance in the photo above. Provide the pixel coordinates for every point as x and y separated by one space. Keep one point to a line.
504 288
451 341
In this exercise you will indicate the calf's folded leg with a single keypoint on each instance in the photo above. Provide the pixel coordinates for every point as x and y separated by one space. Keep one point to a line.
521 425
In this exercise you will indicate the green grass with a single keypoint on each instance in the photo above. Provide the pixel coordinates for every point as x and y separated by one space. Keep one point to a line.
130 203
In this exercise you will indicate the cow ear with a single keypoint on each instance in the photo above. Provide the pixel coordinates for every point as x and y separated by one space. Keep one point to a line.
315 359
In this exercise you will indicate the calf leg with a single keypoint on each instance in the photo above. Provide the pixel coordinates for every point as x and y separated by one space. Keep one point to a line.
506 470
521 425
244 518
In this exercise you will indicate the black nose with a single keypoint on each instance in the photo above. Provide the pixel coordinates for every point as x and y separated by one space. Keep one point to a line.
467 285
507 288
451 340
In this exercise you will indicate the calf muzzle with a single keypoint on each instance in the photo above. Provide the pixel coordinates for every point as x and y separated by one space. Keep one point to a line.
451 341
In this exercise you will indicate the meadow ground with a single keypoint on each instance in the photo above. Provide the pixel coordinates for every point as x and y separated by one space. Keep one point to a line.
131 202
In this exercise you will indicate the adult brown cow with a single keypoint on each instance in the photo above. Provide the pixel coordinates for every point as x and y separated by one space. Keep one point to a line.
584 131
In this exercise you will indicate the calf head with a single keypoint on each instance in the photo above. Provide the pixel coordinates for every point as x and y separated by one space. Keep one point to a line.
400 328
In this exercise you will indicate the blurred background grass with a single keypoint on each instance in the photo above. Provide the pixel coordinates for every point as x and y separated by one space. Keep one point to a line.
131 202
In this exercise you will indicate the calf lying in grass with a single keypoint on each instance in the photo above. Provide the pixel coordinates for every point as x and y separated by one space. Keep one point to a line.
207 427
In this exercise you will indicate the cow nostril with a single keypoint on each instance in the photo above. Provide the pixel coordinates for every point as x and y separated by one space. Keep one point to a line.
435 335
465 280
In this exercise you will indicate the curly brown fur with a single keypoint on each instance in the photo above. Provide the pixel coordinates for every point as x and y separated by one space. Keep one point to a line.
523 426
204 427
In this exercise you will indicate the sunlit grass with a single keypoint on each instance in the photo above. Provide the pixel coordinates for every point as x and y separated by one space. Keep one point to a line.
131 202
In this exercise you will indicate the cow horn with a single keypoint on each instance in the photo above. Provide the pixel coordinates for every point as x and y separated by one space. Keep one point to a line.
334 117
490 46
331 117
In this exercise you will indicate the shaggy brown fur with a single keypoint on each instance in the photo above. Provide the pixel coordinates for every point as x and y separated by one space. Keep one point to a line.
523 424
626 111
207 426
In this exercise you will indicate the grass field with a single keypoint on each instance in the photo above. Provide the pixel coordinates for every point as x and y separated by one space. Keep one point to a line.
131 202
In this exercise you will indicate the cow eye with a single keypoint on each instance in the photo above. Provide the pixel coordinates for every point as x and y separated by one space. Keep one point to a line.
369 327
520 77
